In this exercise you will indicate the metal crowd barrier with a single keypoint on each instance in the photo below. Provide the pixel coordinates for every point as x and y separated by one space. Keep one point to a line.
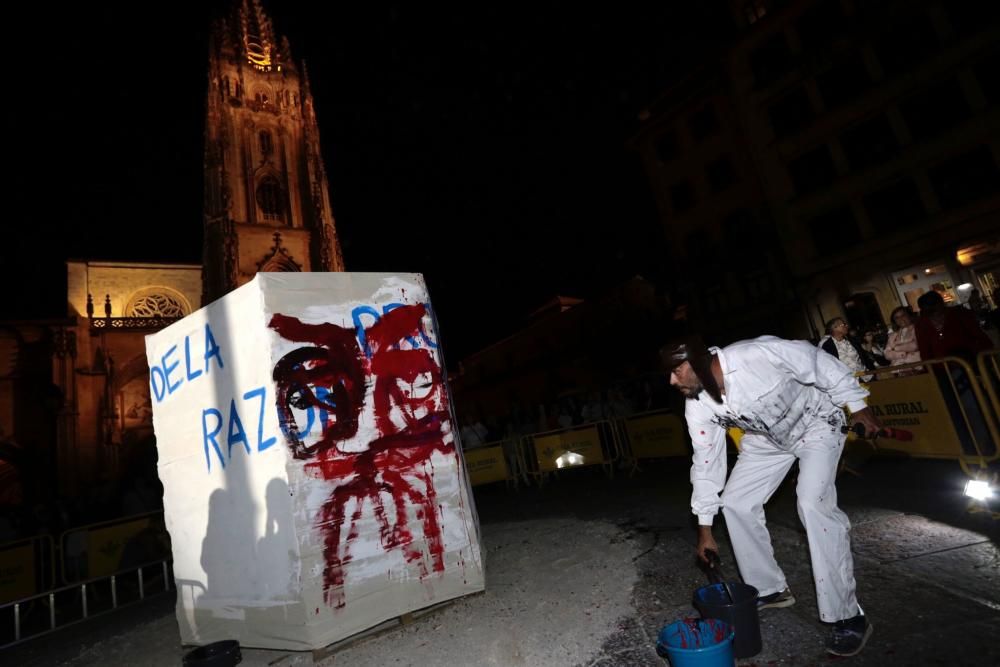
26 566
96 549
988 364
496 461
541 455
944 404
42 613
653 434
535 457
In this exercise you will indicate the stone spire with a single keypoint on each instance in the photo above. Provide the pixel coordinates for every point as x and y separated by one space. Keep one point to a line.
264 172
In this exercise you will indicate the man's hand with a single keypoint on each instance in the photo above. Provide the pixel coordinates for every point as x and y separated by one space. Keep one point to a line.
706 542
867 419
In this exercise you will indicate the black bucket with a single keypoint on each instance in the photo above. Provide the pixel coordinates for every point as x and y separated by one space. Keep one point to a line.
741 613
217 654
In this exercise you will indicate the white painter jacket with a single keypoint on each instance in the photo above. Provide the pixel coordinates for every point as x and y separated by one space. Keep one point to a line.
781 390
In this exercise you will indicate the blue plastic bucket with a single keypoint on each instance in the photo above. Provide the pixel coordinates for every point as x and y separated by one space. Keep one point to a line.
697 642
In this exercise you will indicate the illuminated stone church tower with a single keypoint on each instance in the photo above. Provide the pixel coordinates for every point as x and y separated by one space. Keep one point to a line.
267 205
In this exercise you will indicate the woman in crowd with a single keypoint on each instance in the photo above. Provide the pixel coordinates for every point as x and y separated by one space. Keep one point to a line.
869 343
901 348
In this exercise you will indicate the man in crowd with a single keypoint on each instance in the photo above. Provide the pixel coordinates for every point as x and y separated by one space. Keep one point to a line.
789 398
840 344
943 331
955 332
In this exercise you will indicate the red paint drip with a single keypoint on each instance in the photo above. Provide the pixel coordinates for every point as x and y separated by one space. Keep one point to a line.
395 465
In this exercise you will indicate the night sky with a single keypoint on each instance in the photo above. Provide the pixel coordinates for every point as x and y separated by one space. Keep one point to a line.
484 147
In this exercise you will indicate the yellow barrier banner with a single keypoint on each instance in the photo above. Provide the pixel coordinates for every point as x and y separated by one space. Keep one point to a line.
17 573
581 447
914 403
105 546
486 465
655 436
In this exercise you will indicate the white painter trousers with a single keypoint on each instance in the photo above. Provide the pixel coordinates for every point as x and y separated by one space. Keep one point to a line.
758 472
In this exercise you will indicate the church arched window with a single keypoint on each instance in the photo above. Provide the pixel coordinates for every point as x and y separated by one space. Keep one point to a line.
271 200
157 302
266 145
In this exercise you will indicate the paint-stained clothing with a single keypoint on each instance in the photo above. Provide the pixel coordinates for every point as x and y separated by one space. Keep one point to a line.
788 398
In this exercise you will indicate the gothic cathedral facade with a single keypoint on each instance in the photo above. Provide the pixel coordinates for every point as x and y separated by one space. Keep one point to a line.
266 208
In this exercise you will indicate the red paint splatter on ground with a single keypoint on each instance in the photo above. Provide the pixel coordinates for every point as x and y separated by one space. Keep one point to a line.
397 463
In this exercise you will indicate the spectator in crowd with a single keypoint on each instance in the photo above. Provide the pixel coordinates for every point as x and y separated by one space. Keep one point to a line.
565 418
838 343
473 433
647 401
943 331
901 348
876 353
592 410
955 332
617 405
494 429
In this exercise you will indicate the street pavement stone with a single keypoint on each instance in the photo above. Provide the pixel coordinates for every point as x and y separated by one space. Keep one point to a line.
928 576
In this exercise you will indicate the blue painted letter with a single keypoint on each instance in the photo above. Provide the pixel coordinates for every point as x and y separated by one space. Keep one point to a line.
159 390
237 434
210 437
211 348
168 369
187 360
261 443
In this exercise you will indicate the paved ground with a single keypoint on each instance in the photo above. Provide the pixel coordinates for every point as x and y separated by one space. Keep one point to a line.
587 570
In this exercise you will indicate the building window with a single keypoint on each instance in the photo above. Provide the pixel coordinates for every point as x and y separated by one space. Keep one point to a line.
869 143
844 83
720 174
986 71
740 230
791 113
821 24
698 246
716 300
682 196
758 286
935 110
968 18
703 123
771 60
271 200
834 231
894 207
666 147
156 304
906 39
754 11
965 178
812 171
266 147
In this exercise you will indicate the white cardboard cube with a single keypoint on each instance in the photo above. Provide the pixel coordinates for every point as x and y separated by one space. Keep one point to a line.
313 488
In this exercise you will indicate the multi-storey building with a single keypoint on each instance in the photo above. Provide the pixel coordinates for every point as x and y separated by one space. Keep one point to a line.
871 132
723 256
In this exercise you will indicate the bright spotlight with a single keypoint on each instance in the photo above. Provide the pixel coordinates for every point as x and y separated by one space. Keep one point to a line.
978 489
569 459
